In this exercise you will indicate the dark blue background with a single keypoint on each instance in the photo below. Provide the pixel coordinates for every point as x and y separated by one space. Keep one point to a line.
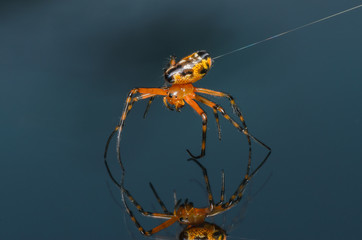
67 66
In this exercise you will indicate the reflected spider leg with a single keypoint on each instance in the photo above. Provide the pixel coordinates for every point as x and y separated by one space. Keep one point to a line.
207 183
185 213
171 219
167 215
238 194
165 210
222 193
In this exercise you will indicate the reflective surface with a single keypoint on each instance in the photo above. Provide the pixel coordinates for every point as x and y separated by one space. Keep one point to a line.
67 66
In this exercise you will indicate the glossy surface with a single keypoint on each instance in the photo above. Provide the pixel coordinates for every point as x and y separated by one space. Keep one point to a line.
66 68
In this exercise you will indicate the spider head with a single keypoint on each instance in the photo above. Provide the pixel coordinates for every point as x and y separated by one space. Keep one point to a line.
203 231
176 101
189 69
176 94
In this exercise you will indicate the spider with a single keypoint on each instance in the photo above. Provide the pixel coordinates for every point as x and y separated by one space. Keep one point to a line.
185 213
180 76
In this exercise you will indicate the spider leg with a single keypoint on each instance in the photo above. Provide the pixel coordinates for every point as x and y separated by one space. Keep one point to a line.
165 210
225 115
171 218
150 102
148 106
222 194
203 115
140 209
145 93
154 230
237 111
135 99
238 194
217 123
209 193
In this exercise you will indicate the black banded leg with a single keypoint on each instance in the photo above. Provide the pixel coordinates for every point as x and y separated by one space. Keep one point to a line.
206 178
154 230
236 110
150 102
165 210
142 211
203 115
217 123
238 194
170 217
222 194
128 106
203 141
129 212
216 107
238 113
148 106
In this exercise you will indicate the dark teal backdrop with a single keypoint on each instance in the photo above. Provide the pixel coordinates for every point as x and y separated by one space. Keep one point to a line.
67 66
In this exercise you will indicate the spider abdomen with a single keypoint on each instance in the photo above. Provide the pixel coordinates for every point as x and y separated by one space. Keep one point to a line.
189 69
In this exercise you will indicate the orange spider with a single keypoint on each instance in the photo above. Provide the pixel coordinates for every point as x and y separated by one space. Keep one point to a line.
186 213
180 76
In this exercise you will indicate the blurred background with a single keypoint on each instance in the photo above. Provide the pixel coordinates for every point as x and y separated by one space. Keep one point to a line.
66 68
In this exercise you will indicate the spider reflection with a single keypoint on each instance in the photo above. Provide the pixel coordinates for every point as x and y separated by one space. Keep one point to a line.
185 213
